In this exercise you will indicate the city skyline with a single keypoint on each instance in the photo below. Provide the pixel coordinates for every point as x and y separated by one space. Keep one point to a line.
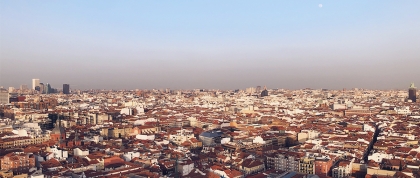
210 44
410 86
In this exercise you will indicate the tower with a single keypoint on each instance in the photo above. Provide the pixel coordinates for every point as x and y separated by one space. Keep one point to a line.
23 87
264 92
58 134
47 89
258 89
41 88
66 88
412 93
4 96
35 83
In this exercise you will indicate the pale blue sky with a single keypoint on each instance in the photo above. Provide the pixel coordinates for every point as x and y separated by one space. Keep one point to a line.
211 44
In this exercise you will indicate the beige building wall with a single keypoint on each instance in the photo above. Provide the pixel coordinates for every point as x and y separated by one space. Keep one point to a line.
371 171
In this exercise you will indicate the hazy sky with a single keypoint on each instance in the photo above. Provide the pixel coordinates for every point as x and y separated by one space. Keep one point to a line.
222 44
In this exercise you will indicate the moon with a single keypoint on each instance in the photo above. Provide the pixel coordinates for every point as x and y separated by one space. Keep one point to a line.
320 5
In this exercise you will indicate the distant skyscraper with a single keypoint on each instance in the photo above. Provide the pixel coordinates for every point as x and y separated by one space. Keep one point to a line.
48 89
250 90
258 89
41 88
11 89
23 87
4 96
35 83
412 93
66 88
264 92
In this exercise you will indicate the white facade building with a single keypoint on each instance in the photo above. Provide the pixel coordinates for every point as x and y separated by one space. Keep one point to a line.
377 157
35 83
128 156
59 153
185 167
343 169
259 140
181 136
403 110
81 153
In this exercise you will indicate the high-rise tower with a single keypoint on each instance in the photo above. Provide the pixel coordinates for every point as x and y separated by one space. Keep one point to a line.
4 96
41 87
35 83
66 89
47 89
264 92
412 93
258 89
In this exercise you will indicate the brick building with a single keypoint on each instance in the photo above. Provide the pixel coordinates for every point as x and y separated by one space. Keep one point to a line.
17 162
323 166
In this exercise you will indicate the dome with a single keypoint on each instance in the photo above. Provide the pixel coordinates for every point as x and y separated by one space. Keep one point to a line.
58 130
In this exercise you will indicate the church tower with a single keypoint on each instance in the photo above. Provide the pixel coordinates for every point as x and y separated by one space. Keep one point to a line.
58 133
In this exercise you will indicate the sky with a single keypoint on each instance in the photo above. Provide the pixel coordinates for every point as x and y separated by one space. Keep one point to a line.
211 44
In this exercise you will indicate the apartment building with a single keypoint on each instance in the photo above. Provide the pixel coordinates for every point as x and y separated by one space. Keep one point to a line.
17 162
18 142
306 165
284 161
